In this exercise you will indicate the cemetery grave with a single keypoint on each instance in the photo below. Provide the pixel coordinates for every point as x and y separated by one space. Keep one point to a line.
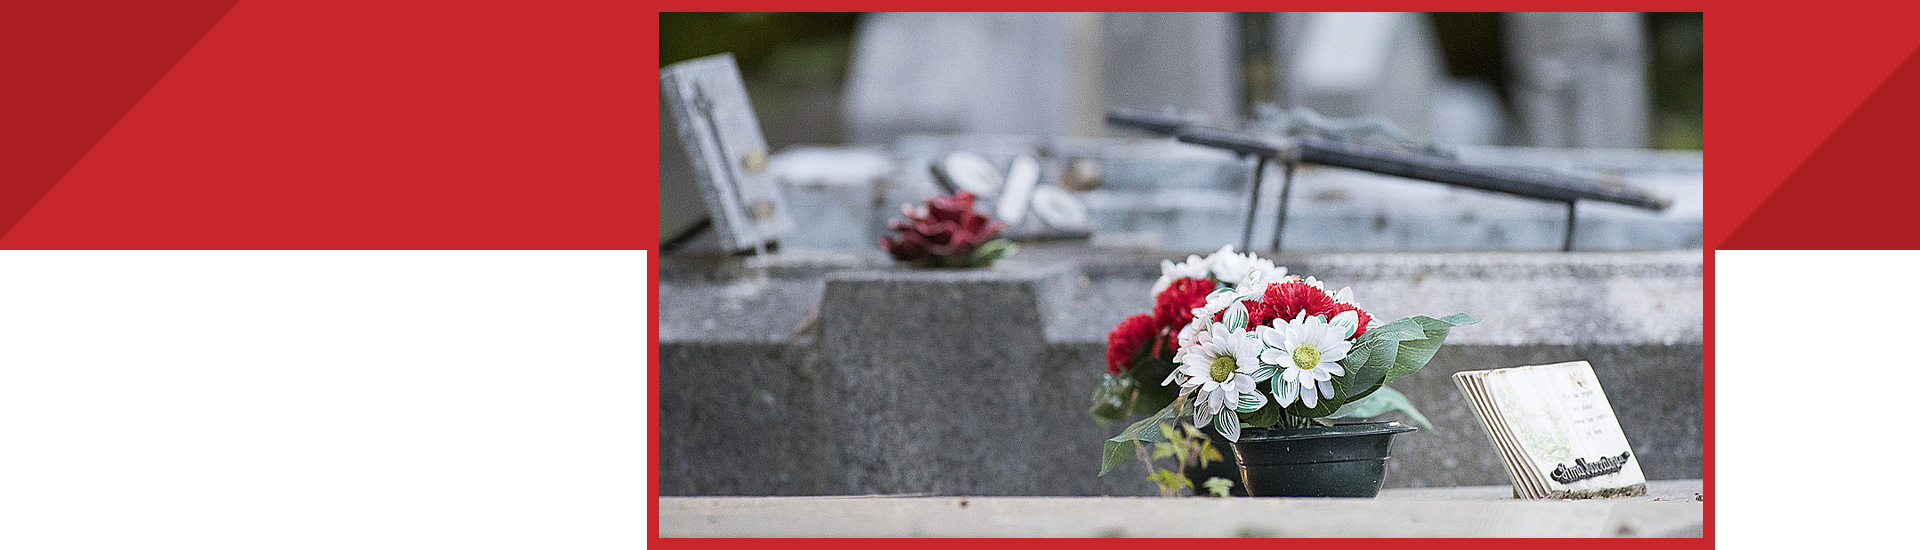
803 371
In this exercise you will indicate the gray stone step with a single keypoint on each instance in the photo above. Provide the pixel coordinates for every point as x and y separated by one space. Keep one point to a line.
976 382
1670 509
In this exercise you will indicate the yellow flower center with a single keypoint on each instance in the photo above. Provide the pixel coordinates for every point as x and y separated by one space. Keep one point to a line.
1306 357
1223 368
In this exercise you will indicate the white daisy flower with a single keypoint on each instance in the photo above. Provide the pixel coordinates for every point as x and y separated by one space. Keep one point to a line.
1184 339
1230 267
1269 272
1217 369
1308 351
1195 267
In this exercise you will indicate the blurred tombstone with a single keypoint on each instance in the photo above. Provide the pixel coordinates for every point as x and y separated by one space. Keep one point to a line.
1006 73
1581 78
721 135
1362 64
1034 74
1187 60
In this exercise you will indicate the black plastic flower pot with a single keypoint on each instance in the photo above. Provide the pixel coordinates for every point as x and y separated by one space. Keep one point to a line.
1345 460
1227 469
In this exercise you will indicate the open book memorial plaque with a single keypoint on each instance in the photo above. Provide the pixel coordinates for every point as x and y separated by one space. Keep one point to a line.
1555 431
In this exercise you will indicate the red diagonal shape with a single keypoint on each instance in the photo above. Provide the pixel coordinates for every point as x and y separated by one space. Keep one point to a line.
72 70
1779 82
1857 190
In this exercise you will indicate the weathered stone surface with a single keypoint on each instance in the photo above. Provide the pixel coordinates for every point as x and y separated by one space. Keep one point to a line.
1670 509
740 418
1009 355
1188 197
930 378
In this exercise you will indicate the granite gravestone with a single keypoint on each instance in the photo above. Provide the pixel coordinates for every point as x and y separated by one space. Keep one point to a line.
708 102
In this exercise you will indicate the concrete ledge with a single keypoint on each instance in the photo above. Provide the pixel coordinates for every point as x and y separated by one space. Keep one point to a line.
839 354
1670 509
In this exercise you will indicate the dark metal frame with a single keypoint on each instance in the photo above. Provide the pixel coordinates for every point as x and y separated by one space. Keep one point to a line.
1539 184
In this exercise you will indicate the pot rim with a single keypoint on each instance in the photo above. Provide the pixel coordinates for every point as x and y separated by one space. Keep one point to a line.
1319 432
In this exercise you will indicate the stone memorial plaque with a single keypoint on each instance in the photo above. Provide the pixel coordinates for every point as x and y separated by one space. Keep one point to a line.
718 128
1554 430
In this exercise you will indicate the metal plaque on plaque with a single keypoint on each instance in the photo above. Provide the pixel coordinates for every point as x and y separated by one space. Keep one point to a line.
717 126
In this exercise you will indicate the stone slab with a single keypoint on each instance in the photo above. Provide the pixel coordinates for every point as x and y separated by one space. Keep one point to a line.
1012 413
928 378
1671 509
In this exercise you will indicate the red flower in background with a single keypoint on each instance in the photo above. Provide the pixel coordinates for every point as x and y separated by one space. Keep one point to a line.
1173 308
946 232
1125 341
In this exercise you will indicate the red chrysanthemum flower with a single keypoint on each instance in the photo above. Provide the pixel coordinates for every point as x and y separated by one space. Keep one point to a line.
1287 300
946 232
1173 308
1125 341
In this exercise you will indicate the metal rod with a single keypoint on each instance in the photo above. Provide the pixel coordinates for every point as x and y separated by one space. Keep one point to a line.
1286 189
1536 183
1246 235
1568 247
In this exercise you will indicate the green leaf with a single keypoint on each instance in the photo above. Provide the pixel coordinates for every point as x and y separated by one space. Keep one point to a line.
1366 367
1321 408
1218 486
1162 450
1381 402
1266 417
1399 329
990 251
1209 454
1414 354
1169 481
1112 399
1122 447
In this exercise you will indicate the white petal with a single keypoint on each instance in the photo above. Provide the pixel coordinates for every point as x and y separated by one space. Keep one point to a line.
1285 394
1326 389
1270 336
1344 296
1228 425
1310 398
1334 368
1273 356
1335 350
1345 324
1291 374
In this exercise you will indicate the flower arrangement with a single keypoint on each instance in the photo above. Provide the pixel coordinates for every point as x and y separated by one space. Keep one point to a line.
1234 341
946 232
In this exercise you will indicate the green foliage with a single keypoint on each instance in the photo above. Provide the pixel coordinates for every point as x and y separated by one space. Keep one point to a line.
990 251
1414 354
1266 417
1170 482
1112 399
1121 447
1385 353
1191 449
1381 402
1218 486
